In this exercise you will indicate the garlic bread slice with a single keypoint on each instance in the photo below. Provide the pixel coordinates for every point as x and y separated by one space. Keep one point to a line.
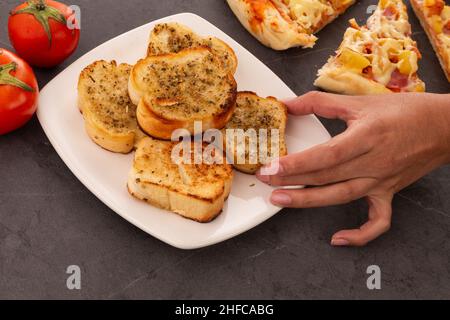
173 37
175 90
194 191
108 112
268 118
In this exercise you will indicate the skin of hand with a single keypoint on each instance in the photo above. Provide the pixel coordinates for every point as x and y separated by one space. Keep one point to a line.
390 142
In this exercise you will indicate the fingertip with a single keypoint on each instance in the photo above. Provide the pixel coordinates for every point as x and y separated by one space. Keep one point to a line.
281 199
342 238
339 242
288 101
343 234
271 169
294 105
354 237
261 177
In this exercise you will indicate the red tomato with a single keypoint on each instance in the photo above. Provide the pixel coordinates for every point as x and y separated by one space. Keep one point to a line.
39 32
18 92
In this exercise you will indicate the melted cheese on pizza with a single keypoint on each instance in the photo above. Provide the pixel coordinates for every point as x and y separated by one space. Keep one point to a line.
309 13
281 24
364 52
438 17
380 51
390 20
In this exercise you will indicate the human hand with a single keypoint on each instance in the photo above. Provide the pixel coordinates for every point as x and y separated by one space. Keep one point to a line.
390 142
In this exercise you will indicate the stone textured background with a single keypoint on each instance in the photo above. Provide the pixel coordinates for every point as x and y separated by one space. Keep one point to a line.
49 220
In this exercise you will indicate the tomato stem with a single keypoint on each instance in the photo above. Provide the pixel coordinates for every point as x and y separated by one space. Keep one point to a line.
40 5
7 79
42 12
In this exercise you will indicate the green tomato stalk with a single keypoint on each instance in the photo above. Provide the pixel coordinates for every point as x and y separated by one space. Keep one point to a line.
7 79
42 12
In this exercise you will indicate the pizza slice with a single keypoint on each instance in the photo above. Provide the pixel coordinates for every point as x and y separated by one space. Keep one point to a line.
379 57
283 24
434 16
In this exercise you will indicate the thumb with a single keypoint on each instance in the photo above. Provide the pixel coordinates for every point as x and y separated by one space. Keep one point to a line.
380 212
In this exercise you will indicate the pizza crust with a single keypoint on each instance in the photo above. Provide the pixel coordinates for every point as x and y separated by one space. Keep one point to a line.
444 59
346 82
274 30
271 23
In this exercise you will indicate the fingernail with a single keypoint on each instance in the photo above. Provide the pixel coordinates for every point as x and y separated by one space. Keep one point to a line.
262 178
276 164
287 100
339 242
281 199
272 168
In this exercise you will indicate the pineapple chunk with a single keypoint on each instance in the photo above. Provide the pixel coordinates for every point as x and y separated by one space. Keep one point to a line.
353 60
383 3
436 23
391 46
407 63
354 34
420 88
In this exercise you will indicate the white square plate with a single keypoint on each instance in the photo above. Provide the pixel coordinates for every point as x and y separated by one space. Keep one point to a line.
105 173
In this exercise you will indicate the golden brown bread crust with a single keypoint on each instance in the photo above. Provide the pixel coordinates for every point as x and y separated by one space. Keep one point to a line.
444 59
195 191
254 112
157 120
173 37
155 125
202 219
110 118
160 127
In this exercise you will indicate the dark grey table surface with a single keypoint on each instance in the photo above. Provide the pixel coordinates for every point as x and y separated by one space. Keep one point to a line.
49 220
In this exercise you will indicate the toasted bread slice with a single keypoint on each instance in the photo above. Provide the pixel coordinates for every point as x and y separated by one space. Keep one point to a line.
253 112
195 191
173 37
109 114
175 90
